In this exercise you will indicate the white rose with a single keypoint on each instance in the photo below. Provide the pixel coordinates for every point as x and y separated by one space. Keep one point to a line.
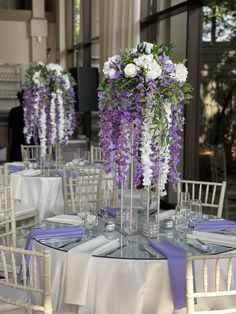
130 70
181 72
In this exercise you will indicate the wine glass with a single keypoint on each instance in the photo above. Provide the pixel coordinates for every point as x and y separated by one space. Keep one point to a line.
106 204
91 219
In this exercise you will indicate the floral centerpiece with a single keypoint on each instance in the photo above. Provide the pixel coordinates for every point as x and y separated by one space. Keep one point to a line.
49 113
144 88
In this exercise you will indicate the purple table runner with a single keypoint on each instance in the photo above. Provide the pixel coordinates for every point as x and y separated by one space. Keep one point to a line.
73 231
177 272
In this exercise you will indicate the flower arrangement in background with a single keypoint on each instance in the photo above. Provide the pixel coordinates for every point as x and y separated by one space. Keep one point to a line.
144 88
49 113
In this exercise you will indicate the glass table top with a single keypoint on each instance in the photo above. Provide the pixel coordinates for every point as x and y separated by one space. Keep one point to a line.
131 246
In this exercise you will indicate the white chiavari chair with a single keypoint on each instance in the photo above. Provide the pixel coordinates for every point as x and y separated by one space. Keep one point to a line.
96 154
26 289
219 173
215 282
81 185
211 194
7 216
26 218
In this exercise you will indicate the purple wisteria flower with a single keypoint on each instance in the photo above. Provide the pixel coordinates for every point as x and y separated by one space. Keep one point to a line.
141 98
49 112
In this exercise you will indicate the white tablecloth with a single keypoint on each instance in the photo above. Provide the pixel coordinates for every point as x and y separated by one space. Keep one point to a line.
43 193
119 286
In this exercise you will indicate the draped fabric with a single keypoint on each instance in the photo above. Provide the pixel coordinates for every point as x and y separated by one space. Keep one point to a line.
119 26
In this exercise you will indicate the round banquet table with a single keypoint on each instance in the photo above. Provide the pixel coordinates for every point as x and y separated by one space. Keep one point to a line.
126 281
45 193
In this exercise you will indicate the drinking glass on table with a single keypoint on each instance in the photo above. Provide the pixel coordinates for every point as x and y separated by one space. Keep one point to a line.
130 221
196 211
106 203
91 218
186 203
181 220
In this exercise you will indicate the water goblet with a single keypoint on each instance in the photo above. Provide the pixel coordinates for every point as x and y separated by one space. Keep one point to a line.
196 211
130 221
91 220
181 222
106 204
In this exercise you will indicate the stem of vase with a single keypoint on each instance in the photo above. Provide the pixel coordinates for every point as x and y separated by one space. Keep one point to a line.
121 205
131 174
148 201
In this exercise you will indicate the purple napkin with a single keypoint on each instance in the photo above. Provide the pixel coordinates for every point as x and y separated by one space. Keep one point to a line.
47 234
176 264
215 224
113 211
15 168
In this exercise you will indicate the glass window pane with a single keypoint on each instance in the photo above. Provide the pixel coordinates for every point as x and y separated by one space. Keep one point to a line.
77 33
173 30
218 86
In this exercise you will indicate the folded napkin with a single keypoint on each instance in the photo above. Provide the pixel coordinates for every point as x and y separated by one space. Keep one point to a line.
113 211
214 224
78 267
66 219
49 233
15 168
176 264
214 238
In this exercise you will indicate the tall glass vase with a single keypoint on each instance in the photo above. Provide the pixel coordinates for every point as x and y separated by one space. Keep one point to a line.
58 157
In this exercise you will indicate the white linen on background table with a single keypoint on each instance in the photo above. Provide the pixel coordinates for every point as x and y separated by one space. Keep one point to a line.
121 286
43 193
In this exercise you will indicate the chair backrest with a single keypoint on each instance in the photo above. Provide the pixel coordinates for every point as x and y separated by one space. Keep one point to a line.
216 273
211 194
27 280
81 185
218 164
96 154
7 216
4 175
30 153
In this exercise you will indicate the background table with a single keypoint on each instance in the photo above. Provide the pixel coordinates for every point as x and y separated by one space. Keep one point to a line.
43 193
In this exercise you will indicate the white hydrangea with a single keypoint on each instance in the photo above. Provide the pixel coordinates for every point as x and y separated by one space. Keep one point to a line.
37 78
180 73
154 71
114 58
54 67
